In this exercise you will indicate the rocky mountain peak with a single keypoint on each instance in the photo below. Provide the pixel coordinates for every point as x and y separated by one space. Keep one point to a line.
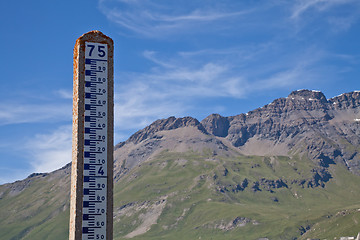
165 124
303 100
346 100
310 95
216 125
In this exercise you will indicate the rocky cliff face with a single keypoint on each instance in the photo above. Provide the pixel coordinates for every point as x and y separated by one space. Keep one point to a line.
345 101
305 122
171 134
170 123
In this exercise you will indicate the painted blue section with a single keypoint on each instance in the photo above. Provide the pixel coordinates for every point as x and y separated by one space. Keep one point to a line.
86 191
87 230
90 119
90 95
89 84
90 73
90 130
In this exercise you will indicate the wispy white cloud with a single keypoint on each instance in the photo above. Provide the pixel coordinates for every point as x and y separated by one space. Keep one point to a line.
151 55
343 23
154 20
336 15
164 92
197 15
137 107
64 93
158 20
302 6
35 113
14 113
287 78
48 152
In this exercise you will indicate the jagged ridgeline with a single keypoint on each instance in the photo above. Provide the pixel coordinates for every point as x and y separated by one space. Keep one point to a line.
288 170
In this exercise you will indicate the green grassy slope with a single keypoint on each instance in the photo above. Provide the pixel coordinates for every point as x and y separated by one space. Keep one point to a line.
196 196
36 208
196 207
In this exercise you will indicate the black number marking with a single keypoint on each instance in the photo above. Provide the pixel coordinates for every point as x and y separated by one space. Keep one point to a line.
91 49
101 51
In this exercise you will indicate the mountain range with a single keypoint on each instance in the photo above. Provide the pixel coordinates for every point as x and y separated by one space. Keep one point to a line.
287 170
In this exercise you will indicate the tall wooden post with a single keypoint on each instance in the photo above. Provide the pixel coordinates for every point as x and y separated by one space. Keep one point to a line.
91 203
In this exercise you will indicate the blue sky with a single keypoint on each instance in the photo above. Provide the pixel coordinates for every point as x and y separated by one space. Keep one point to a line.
181 58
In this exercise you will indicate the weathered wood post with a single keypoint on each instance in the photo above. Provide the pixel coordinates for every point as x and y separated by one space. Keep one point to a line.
91 203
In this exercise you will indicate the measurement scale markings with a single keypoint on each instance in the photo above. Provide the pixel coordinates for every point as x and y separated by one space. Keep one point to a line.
92 130
90 142
92 83
92 106
92 149
93 167
95 135
93 90
90 154
92 72
90 119
92 95
90 204
88 60
91 191
93 138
